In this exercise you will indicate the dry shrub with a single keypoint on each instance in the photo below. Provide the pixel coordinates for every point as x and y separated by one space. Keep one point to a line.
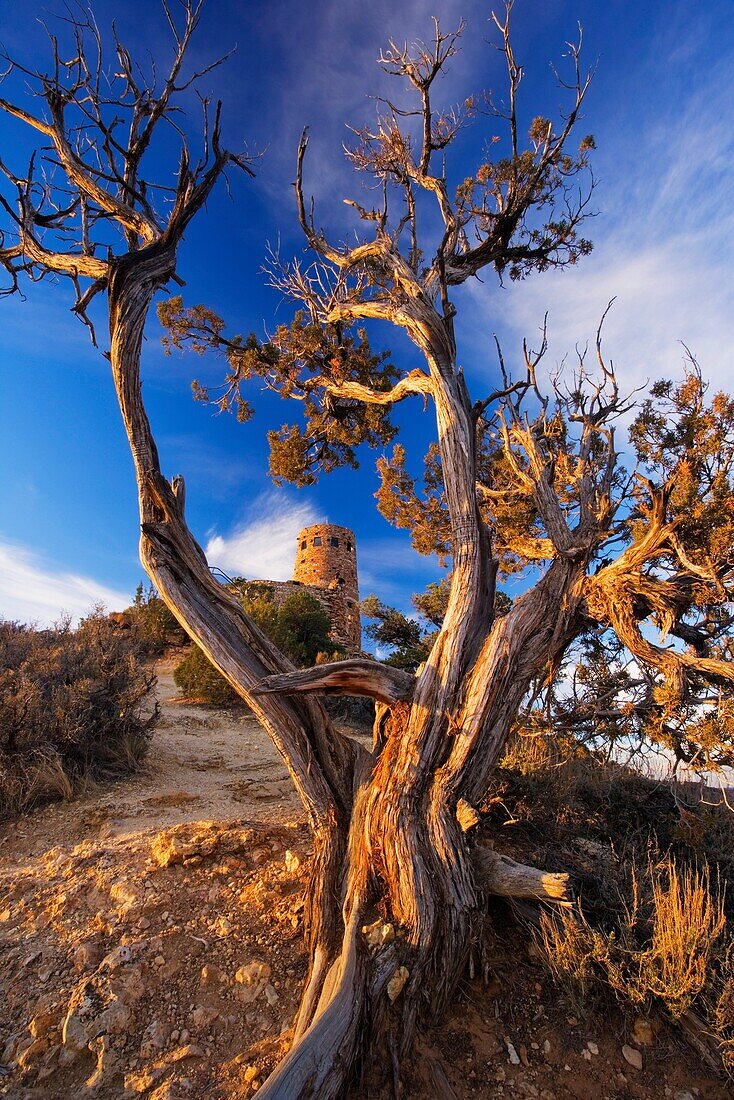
687 923
573 952
671 944
74 706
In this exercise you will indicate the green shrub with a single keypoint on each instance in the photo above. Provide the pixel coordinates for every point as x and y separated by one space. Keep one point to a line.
151 620
299 626
196 677
74 705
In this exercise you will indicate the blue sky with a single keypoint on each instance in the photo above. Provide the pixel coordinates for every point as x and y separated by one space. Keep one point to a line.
661 109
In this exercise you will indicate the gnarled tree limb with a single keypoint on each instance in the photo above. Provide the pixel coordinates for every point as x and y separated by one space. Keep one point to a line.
352 677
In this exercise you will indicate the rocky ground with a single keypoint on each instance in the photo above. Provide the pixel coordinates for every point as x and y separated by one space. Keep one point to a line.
150 945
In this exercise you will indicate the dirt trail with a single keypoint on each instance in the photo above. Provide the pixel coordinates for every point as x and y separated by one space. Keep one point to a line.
151 944
205 763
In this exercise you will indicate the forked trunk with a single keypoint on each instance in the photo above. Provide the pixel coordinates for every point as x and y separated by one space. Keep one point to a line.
389 852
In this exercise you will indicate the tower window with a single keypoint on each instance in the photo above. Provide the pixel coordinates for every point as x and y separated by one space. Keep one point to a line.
349 545
334 541
303 545
317 540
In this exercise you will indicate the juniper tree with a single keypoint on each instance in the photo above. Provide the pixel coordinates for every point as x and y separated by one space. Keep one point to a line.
526 476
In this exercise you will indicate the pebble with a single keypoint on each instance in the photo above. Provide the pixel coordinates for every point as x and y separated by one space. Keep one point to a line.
513 1056
632 1056
292 862
592 1047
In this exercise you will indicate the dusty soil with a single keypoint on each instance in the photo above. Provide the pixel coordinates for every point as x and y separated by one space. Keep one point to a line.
151 944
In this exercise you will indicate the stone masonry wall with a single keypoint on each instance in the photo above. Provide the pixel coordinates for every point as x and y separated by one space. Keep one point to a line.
326 559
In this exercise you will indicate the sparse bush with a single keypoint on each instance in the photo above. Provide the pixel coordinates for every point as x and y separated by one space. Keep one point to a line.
73 707
663 947
670 946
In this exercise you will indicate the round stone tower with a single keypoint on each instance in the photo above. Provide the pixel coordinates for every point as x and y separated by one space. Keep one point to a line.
326 558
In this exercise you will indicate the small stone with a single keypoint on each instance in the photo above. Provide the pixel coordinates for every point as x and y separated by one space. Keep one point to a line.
546 1046
592 1047
253 973
396 983
117 957
253 979
202 1017
514 1057
190 1050
683 1094
249 1073
642 1033
142 1082
632 1056
586 1055
159 960
524 1056
87 956
212 976
270 995
292 862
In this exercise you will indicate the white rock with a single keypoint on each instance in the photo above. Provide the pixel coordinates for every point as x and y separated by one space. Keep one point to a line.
378 933
632 1056
513 1056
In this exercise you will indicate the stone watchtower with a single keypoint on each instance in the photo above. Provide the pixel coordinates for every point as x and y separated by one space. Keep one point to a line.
326 558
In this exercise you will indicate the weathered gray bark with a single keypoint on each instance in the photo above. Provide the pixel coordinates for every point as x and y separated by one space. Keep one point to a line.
386 835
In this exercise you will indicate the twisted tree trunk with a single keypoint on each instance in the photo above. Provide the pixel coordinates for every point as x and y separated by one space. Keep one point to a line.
389 851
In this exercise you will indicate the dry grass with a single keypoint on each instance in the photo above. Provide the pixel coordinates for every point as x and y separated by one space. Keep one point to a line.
671 946
654 867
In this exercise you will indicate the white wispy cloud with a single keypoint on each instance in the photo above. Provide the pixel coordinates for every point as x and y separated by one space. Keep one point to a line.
390 568
34 590
663 245
263 546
